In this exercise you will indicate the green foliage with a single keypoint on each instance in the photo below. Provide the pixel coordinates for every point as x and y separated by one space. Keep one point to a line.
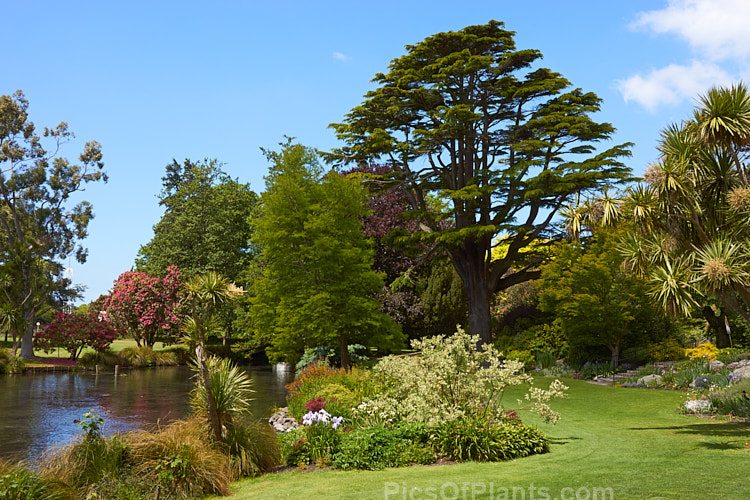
314 282
443 299
378 447
253 448
492 136
20 483
451 377
596 302
204 226
484 440
231 387
10 363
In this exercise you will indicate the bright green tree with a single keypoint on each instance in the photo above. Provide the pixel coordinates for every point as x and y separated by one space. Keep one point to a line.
314 281
464 115
38 226
597 302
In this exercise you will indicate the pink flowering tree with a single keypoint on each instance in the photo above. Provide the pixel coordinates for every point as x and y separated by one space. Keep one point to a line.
74 332
147 307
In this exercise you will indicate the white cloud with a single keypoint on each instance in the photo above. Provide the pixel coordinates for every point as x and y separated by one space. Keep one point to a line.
341 57
672 84
717 29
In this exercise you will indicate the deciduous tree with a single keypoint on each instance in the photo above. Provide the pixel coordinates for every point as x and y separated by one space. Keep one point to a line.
147 307
314 283
38 226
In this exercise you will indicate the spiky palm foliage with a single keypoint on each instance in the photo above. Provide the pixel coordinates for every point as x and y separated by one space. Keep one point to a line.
723 118
231 388
691 215
206 293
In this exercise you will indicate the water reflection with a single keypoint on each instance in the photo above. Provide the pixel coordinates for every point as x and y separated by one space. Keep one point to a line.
37 411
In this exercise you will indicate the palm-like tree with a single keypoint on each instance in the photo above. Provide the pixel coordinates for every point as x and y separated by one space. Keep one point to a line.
723 118
692 214
206 294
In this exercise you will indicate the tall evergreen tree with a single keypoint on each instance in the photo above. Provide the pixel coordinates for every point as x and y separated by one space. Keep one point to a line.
465 117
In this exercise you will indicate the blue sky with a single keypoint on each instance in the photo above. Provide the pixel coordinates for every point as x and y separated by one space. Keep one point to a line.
152 81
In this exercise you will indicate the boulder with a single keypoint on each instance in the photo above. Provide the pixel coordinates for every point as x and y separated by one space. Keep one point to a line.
650 380
716 365
282 421
741 372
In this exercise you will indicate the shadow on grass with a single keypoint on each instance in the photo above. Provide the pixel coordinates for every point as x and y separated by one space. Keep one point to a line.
563 440
739 429
723 446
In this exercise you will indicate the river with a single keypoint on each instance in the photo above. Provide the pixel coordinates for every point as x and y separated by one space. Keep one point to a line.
37 411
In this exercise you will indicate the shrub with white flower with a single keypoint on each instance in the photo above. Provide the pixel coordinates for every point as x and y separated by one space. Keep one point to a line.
698 406
451 378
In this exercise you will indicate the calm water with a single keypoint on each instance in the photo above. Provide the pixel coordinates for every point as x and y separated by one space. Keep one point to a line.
37 411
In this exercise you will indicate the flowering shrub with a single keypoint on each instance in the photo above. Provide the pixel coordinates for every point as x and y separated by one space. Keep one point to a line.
451 379
147 307
319 441
706 351
315 405
74 332
342 390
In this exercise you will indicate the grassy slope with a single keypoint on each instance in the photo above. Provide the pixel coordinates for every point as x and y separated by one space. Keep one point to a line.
631 440
117 345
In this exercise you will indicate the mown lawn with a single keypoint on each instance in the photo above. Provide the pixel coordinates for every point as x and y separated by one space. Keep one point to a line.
117 345
633 441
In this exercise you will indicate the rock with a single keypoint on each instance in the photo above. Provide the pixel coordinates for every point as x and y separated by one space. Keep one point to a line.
282 421
716 365
739 364
632 384
741 372
650 380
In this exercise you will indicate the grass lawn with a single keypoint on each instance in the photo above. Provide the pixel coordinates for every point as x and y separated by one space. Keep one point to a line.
117 345
633 441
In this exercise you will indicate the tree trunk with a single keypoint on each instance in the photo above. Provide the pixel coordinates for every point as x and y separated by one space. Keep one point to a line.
470 267
344 352
615 350
27 344
717 325
200 354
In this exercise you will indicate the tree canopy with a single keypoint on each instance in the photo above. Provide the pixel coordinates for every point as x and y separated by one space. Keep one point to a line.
464 117
205 223
692 213
38 226
314 281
